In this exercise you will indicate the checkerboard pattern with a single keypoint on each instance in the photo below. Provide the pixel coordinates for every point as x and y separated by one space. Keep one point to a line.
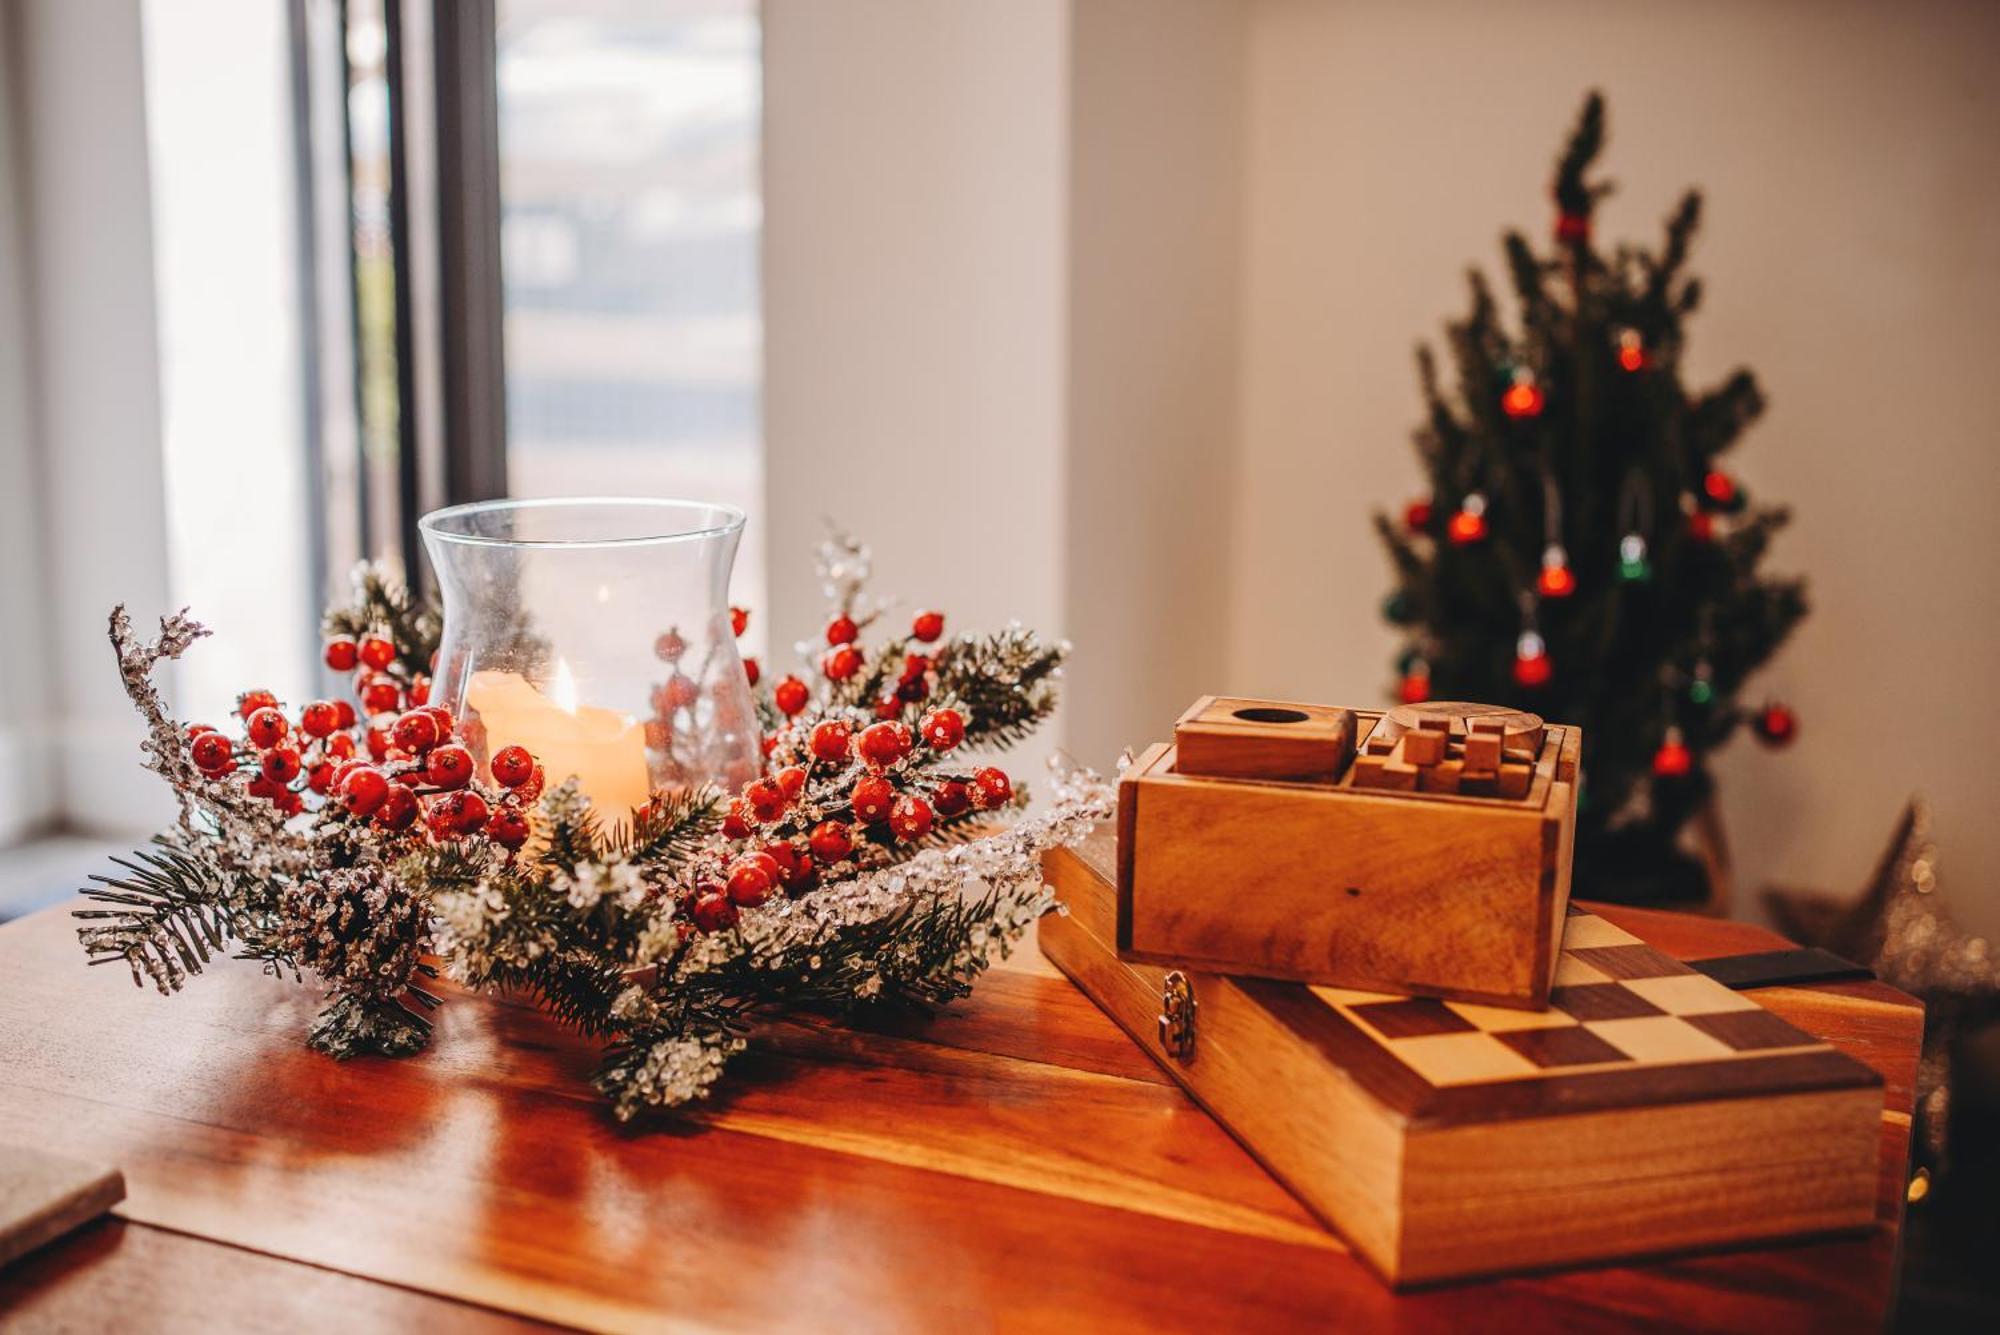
1617 1004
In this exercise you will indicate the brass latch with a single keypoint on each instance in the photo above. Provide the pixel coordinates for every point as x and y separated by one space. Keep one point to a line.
1177 1011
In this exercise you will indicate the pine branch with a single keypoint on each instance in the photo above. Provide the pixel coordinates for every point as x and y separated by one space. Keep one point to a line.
669 829
1004 683
1586 141
167 914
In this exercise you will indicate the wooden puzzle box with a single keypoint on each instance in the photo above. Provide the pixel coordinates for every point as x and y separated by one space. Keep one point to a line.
1423 850
1648 1108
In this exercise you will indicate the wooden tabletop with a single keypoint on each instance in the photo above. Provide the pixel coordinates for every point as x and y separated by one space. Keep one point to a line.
1012 1163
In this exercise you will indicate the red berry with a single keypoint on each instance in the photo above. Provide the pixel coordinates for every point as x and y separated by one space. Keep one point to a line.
669 647
713 912
888 707
749 884
448 766
739 620
416 732
911 818
259 786
830 741
320 777
943 729
211 751
992 788
927 626
399 808
512 766
883 744
532 789
765 799
842 663
790 696
791 781
751 671
466 811
379 740
377 653
341 771
444 719
420 690
364 789
381 695
250 702
342 654
682 692
912 689
830 841
195 730
736 825
509 827
288 802
952 798
346 712
914 666
842 630
266 727
281 764
319 719
341 746
794 867
872 798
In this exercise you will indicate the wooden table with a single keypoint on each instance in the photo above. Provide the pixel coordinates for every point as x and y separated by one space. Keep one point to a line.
1012 1163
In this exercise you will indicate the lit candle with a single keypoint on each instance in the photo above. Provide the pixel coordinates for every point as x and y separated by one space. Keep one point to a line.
604 750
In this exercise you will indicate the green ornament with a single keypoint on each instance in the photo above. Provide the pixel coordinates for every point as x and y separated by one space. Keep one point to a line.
1633 567
1701 691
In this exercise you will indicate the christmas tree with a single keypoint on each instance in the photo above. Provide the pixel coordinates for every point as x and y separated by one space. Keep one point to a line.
1584 552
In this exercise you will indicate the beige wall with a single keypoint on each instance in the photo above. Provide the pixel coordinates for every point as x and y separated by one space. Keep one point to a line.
1851 155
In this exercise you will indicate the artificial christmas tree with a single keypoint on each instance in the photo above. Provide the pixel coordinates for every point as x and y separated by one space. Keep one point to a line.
1582 552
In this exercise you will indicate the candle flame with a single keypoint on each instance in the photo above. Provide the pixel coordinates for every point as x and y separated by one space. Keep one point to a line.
562 688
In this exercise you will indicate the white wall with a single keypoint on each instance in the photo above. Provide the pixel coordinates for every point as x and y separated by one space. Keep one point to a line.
1851 157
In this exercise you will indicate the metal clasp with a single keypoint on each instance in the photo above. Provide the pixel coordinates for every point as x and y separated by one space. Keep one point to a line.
1177 1015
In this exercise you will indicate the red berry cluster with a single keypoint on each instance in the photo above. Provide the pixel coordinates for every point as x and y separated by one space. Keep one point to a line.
413 768
845 661
380 684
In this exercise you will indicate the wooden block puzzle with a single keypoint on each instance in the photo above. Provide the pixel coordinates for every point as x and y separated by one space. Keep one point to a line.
1431 860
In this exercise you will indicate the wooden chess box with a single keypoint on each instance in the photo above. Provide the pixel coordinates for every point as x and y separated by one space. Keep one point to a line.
1426 850
1649 1108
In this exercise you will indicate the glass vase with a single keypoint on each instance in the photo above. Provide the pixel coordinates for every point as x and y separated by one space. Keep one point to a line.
596 633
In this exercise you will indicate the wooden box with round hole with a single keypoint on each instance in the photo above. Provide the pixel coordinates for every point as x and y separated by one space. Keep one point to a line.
1423 851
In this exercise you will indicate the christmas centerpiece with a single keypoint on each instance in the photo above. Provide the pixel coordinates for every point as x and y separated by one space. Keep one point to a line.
1583 551
859 855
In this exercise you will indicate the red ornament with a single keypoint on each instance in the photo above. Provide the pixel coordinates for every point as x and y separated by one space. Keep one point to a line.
830 841
1719 488
281 764
952 798
211 752
1573 228
790 696
1631 351
266 727
1701 526
1531 661
448 766
377 653
991 788
927 626
749 883
872 798
416 732
883 744
1556 580
713 912
739 620
399 808
1673 760
1522 399
911 818
842 630
319 719
1417 515
830 741
512 766
1776 724
765 799
842 663
1415 688
1468 524
363 790
509 827
342 654
250 702
942 729
669 647
751 670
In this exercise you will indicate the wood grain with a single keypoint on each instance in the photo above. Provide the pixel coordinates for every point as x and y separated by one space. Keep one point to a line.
1234 737
485 1172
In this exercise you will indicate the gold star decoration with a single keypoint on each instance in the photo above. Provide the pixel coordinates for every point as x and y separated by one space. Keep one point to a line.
1901 929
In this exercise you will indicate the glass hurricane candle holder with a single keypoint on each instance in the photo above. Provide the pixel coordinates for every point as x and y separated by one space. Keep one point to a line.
596 633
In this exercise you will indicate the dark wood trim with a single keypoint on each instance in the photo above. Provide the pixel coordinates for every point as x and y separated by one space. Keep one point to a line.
471 296
409 493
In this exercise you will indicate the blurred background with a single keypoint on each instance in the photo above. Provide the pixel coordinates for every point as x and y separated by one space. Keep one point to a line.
1094 313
